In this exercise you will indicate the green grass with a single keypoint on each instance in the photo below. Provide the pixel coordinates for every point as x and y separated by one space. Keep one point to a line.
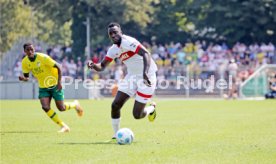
184 132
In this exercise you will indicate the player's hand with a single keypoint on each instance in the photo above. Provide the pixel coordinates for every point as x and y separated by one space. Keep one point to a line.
59 86
90 64
146 80
22 78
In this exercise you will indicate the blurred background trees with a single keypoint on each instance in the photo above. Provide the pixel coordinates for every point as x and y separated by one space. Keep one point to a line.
63 21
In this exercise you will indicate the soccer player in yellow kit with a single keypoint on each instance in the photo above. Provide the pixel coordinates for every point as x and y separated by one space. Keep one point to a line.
48 74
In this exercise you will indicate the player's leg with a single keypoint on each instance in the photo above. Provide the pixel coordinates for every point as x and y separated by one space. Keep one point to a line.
140 110
143 95
118 102
126 89
64 106
46 106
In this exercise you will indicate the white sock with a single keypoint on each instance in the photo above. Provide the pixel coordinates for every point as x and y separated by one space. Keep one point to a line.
149 109
115 125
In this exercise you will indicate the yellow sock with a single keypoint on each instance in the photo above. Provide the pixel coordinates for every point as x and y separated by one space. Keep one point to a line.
70 105
53 115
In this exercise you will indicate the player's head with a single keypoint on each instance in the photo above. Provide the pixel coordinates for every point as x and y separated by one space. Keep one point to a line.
29 49
115 33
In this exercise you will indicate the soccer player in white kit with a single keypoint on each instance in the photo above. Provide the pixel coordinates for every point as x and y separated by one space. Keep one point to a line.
140 80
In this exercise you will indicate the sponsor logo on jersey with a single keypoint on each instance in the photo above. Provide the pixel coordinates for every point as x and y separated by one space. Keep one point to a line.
124 56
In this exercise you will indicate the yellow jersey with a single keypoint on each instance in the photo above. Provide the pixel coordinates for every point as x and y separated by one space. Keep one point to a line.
42 68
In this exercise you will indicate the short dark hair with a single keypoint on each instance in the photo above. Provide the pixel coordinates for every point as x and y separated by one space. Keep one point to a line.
26 45
113 24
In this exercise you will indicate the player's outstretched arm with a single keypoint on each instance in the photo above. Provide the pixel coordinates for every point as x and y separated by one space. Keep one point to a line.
25 77
58 66
147 60
99 66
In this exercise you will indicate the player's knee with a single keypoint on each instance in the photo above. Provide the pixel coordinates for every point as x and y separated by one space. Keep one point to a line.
61 108
136 114
115 110
116 105
46 108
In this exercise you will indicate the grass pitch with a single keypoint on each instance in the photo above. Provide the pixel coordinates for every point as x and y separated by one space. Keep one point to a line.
190 131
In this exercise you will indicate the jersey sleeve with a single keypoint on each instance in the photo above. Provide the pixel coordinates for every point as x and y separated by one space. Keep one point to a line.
49 61
132 45
25 68
111 54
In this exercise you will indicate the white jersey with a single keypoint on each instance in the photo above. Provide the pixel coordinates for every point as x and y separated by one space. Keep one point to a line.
127 53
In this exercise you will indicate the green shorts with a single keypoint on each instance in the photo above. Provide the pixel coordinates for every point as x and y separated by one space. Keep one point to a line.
51 92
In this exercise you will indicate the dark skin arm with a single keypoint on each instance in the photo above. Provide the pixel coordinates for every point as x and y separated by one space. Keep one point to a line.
59 86
142 52
98 66
25 77
146 60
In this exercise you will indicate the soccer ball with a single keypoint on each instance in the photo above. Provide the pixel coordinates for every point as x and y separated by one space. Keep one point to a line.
124 136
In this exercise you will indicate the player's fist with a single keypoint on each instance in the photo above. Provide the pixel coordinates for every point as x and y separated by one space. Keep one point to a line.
90 64
147 82
22 78
59 86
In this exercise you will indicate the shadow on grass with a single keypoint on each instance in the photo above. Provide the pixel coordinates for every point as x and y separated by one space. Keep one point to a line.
89 143
20 132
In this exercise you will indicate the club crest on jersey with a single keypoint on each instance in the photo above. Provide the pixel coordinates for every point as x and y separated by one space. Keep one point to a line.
38 64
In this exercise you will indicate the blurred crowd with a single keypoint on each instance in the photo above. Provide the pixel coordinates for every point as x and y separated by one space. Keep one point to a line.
196 59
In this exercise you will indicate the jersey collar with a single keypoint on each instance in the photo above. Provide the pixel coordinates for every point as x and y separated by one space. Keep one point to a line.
121 41
33 59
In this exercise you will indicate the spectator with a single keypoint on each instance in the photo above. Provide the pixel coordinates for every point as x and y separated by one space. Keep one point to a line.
243 74
17 69
72 68
79 69
95 58
180 56
64 64
233 68
8 74
272 88
234 90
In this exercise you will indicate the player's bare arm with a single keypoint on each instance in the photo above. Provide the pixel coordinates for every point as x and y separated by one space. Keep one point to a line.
59 86
25 77
98 66
146 60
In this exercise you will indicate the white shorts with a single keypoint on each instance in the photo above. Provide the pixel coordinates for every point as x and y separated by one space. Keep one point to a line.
134 85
